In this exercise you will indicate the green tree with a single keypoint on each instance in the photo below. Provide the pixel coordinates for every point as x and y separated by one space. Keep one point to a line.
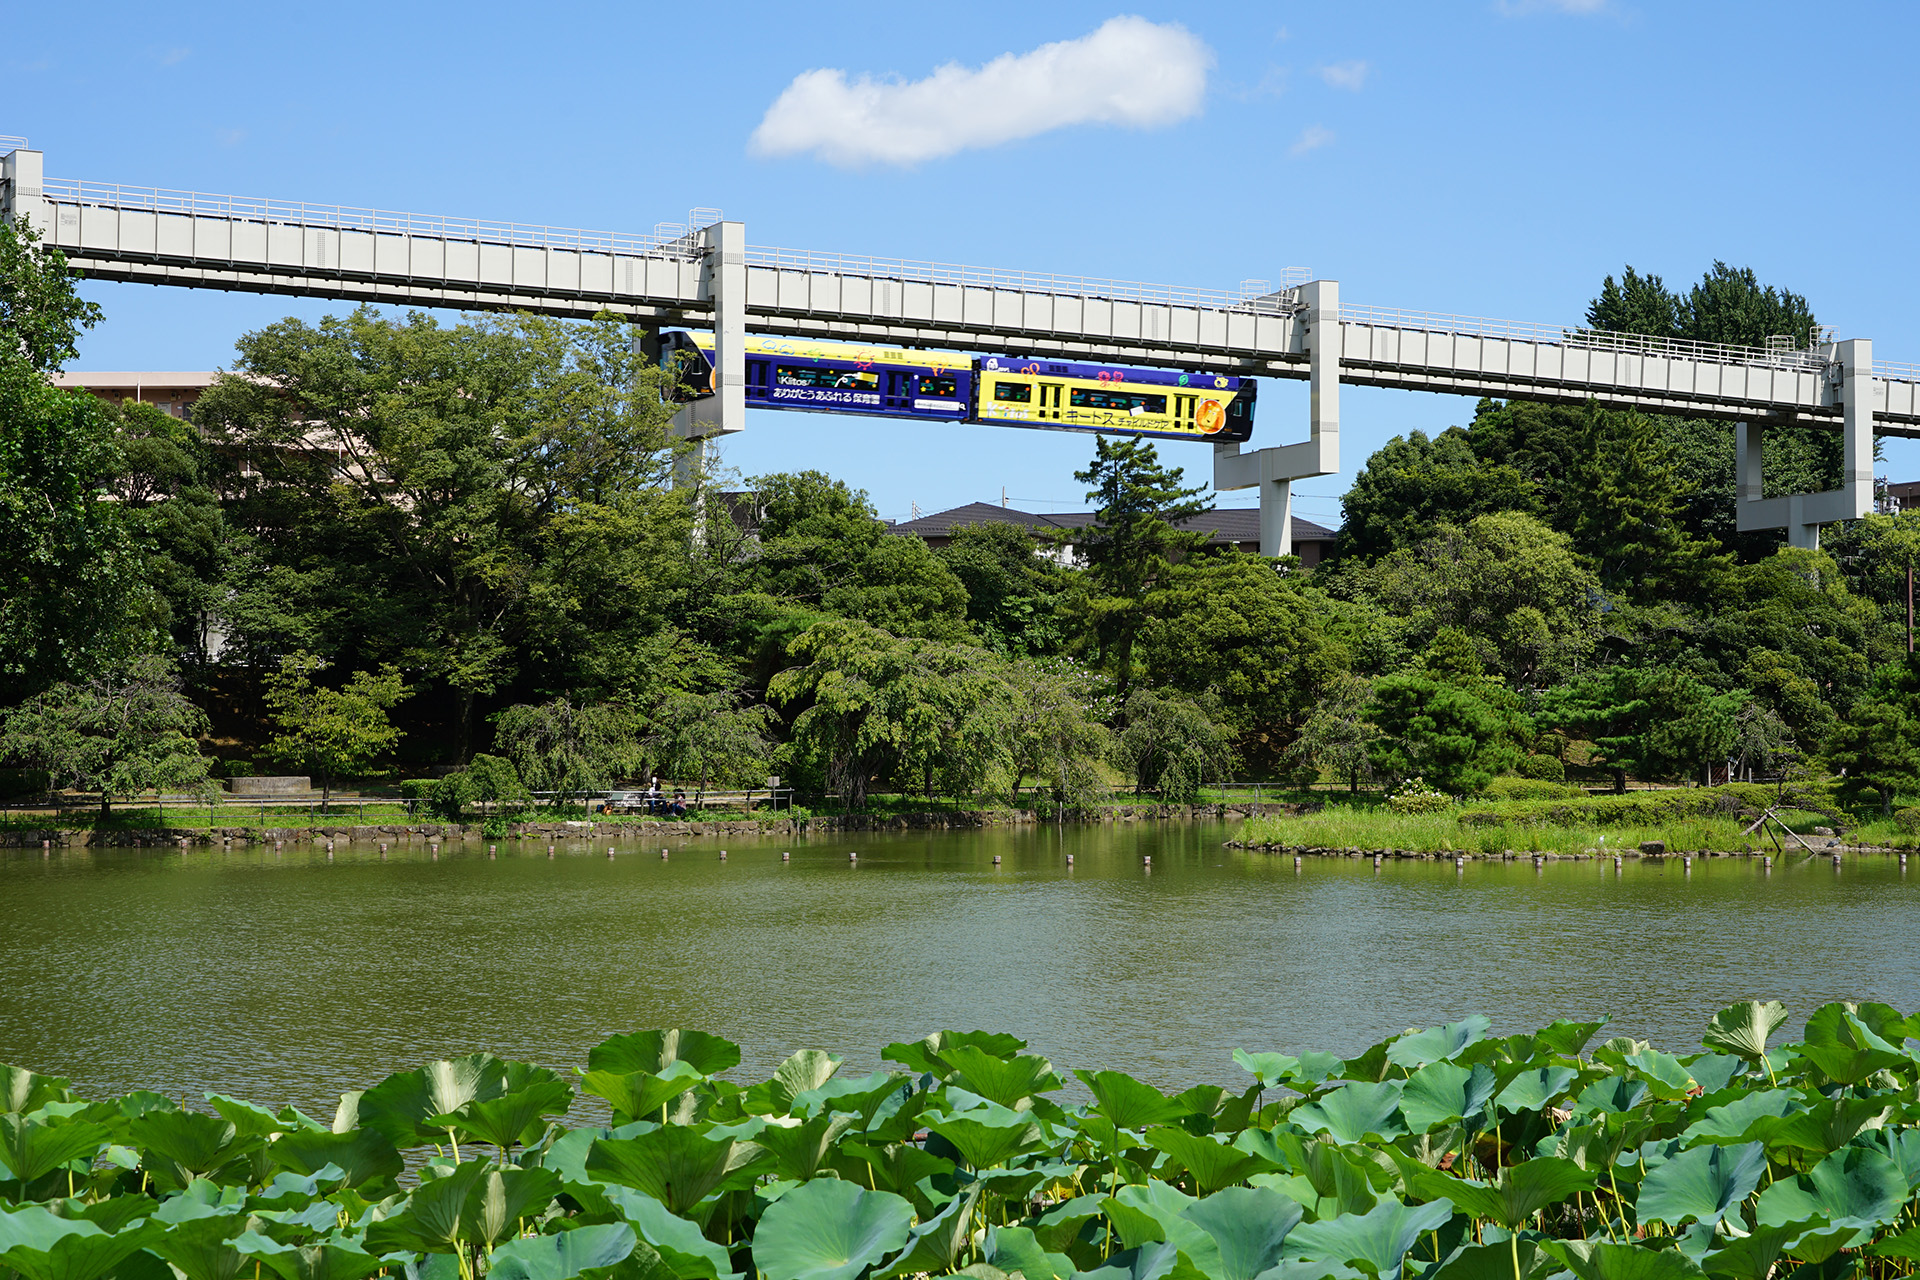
1174 744
481 503
1412 485
1631 494
331 733
1876 745
873 705
1507 581
1013 591
1654 723
71 602
1264 644
119 732
1435 730
485 779
1055 735
174 516
702 737
822 547
1131 545
1335 739
570 748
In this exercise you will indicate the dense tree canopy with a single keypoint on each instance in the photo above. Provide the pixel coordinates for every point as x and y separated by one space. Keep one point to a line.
484 515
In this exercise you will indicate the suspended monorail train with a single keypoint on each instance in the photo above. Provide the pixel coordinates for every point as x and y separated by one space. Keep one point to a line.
946 386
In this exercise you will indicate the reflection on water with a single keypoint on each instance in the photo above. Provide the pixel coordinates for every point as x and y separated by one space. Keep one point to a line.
288 977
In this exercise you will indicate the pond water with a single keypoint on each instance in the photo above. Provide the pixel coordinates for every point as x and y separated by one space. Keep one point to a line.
288 977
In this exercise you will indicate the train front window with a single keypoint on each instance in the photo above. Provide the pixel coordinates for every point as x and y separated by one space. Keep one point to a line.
1014 392
1119 401
938 386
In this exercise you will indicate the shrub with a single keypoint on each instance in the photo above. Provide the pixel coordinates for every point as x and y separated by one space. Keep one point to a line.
1414 796
1908 820
1530 789
1542 768
417 788
240 768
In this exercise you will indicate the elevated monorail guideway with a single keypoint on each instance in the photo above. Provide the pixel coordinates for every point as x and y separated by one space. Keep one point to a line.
704 275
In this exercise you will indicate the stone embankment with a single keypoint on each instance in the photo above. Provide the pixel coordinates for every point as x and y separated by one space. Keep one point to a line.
400 833
1648 849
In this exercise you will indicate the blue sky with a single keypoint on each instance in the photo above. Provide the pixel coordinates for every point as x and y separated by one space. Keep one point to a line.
1491 157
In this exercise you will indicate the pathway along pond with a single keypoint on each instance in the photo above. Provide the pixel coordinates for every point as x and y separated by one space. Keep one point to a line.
287 978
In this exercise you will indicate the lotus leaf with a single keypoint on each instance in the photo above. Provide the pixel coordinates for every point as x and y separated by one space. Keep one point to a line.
680 1245
404 1104
1741 1120
1212 1163
1157 1211
804 1072
1354 1112
862 1097
562 1256
1826 1127
1845 1048
251 1119
654 1051
1129 1103
1743 1029
988 1136
929 1055
1749 1257
42 1246
196 1142
676 1165
1248 1225
896 1166
203 1248
333 1260
1270 1069
202 1198
1515 1195
1018 1249
23 1091
1533 1089
475 1202
1666 1076
799 1150
512 1118
1856 1185
1703 1184
1156 1261
1007 1081
1611 1094
361 1155
1442 1093
1604 1260
30 1148
936 1242
641 1095
1330 1179
829 1230
1500 1261
1376 1242
1436 1044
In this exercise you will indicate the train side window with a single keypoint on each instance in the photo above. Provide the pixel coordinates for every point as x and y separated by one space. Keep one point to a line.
1013 392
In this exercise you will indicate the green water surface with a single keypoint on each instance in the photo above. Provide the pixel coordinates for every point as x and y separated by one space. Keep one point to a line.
287 977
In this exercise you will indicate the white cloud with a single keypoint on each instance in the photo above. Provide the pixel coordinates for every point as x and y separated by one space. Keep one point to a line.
175 56
1311 138
1346 75
1129 72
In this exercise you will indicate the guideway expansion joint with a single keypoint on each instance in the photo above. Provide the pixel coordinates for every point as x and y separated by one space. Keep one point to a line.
1802 514
1274 470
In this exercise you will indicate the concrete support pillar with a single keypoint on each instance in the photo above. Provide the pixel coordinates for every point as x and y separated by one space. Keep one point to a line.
725 272
1323 372
22 195
1856 384
1802 514
1749 448
1274 470
1276 518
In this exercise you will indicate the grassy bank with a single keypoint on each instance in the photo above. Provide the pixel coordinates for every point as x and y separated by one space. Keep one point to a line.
1700 820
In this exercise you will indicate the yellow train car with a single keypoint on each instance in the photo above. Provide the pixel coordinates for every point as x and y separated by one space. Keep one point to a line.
1068 396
